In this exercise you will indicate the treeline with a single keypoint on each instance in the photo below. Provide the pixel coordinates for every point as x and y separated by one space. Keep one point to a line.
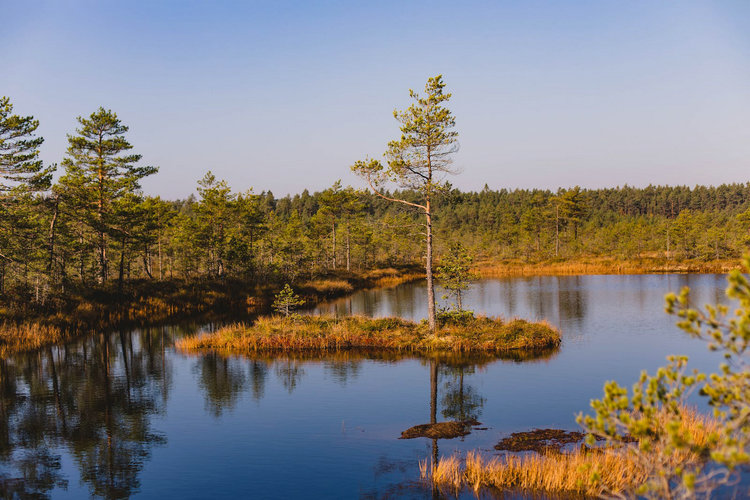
94 227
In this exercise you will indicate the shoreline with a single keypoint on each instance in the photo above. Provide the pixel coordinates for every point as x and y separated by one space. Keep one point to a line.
602 266
151 303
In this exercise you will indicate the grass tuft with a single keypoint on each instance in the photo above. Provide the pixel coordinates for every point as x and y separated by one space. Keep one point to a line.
597 471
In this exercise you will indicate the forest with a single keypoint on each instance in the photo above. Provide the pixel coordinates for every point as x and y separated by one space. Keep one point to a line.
86 224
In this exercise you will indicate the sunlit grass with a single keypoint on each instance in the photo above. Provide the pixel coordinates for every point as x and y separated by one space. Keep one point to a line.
606 470
276 333
600 265
28 336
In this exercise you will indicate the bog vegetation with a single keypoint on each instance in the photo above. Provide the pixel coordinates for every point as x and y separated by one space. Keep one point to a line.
325 333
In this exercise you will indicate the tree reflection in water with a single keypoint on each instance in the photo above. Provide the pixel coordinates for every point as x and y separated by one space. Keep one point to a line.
222 380
93 399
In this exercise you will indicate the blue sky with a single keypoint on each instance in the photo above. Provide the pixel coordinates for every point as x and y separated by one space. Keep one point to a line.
286 95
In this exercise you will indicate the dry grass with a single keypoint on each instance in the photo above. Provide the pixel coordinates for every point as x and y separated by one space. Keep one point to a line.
390 277
16 338
327 287
601 265
607 470
325 333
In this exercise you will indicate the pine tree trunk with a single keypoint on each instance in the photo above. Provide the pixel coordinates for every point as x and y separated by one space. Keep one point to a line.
557 230
102 257
121 276
147 261
431 320
333 234
348 252
161 275
51 241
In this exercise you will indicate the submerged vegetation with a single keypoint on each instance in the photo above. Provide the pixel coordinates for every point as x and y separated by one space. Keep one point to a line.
326 333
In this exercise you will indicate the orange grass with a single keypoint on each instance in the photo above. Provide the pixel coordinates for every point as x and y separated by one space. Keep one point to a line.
601 265
608 470
326 333
16 338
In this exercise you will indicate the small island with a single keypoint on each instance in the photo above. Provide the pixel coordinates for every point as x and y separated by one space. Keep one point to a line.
326 333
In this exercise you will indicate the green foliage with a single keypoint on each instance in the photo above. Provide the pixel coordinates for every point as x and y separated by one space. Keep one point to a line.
94 225
286 301
653 413
418 161
19 152
455 317
100 175
455 273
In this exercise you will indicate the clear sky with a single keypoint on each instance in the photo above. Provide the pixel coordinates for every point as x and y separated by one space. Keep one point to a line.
286 95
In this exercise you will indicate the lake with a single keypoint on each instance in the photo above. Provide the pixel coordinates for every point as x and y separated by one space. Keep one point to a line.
122 414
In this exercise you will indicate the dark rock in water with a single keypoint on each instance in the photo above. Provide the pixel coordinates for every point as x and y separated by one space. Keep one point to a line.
440 430
539 440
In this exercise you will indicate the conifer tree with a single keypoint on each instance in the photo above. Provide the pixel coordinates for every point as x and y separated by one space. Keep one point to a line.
419 161
20 165
455 272
287 301
99 171
22 174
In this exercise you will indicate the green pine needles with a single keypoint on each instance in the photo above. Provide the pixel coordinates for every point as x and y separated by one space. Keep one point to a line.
286 301
455 273
655 411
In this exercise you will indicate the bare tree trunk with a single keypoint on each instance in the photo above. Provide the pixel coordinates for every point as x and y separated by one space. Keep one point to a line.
147 261
161 275
121 277
348 251
557 230
431 320
333 234
51 240
102 257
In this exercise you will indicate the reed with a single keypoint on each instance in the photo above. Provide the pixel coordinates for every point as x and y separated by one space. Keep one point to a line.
598 471
327 333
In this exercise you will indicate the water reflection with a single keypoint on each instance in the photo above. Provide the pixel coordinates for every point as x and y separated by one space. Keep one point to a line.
222 380
91 417
460 401
93 400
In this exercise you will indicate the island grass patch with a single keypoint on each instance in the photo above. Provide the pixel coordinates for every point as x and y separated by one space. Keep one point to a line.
327 333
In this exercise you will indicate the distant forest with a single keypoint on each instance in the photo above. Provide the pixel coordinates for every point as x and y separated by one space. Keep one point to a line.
94 227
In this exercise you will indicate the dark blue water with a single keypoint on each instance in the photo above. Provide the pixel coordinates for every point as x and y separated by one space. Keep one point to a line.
122 414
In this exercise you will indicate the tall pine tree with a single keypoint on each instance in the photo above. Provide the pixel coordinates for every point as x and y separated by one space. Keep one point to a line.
99 172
